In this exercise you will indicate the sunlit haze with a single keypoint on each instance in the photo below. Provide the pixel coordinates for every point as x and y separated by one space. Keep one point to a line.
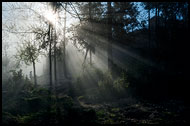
78 63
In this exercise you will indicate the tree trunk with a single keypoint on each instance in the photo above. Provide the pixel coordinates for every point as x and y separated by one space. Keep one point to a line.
85 56
156 25
55 49
91 29
110 57
149 27
50 65
90 57
35 79
55 63
64 48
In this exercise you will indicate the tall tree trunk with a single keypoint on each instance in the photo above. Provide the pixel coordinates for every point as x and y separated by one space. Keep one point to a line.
149 27
90 57
55 49
35 79
156 24
64 44
50 65
50 71
110 57
85 56
55 63
91 29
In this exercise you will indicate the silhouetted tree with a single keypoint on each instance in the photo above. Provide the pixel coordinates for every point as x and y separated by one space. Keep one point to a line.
109 34
64 43
124 19
29 53
148 8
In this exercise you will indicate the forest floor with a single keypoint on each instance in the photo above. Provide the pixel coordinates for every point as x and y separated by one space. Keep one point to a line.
134 111
121 112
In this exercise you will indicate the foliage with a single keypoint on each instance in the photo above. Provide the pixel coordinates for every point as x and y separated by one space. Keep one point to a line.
14 90
66 102
99 73
149 73
88 80
106 82
26 105
113 87
16 81
41 37
78 85
121 83
24 97
27 52
101 85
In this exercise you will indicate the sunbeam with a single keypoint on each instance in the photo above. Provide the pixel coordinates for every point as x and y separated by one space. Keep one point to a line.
78 63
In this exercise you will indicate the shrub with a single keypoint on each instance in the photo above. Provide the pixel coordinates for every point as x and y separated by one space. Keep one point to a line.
106 82
78 86
121 83
109 87
66 102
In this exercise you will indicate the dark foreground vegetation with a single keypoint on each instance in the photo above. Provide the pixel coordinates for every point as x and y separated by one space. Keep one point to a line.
116 65
106 103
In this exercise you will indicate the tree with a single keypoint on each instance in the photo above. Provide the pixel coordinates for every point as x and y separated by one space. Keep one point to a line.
28 52
87 32
52 38
64 43
109 34
50 60
124 19
54 6
148 8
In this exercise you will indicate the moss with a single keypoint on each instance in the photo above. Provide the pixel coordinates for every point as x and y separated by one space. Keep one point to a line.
109 121
80 97
115 109
100 113
112 115
66 101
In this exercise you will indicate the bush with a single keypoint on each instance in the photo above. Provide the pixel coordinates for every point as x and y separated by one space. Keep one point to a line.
121 84
106 84
78 86
35 106
110 87
15 89
66 102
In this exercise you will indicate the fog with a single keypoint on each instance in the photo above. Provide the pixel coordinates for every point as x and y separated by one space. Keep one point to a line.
17 20
95 63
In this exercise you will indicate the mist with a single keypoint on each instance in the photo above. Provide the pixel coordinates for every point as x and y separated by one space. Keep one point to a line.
95 63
